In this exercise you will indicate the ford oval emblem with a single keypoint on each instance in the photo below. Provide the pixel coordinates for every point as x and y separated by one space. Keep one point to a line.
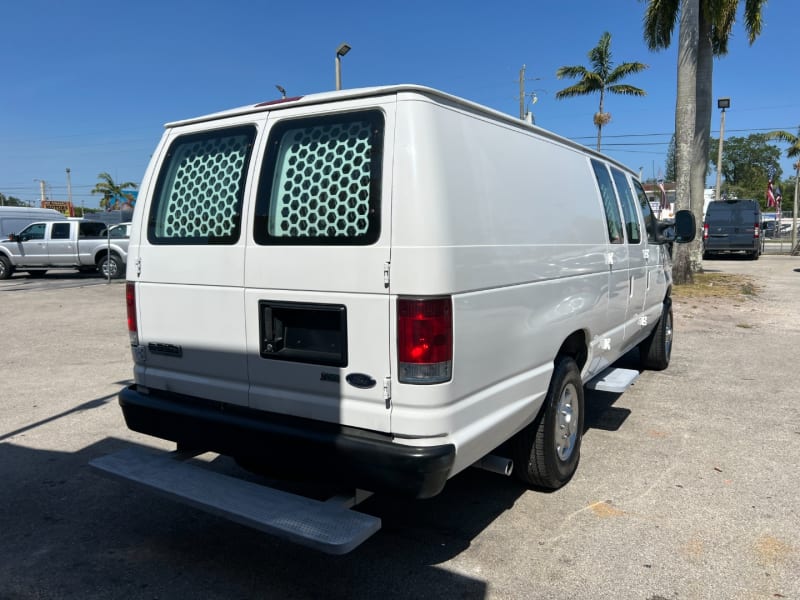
360 380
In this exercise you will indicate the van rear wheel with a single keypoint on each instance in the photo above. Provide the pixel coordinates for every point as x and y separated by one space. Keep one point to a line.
548 450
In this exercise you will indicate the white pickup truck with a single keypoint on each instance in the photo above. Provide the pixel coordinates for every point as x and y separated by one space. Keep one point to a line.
74 244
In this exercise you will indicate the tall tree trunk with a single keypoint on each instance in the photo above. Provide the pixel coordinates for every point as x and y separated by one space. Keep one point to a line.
685 119
702 133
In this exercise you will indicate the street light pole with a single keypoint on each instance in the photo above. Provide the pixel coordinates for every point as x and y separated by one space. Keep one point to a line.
794 206
69 188
722 104
343 49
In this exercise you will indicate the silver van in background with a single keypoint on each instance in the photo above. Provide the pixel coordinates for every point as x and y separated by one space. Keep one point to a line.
14 219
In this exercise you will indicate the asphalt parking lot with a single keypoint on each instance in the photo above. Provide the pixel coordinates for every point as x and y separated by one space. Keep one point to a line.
687 486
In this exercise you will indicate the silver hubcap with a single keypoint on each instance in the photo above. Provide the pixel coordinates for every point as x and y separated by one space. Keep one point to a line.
109 265
566 422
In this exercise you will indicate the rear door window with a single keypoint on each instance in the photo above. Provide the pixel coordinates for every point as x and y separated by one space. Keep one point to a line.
199 193
60 231
321 181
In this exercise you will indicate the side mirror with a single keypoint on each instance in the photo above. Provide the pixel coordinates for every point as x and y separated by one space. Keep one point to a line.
12 237
685 226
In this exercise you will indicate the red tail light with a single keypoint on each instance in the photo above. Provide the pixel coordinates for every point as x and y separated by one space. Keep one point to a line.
130 301
425 340
756 230
705 231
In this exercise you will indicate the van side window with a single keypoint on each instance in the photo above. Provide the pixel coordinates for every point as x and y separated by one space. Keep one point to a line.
632 226
60 231
610 205
647 212
321 181
200 189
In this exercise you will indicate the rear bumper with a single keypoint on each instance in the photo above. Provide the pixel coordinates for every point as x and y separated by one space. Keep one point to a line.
363 459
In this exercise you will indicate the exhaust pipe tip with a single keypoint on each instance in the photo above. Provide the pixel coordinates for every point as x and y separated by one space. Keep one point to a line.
495 464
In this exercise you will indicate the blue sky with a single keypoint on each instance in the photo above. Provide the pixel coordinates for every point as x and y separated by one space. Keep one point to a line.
88 85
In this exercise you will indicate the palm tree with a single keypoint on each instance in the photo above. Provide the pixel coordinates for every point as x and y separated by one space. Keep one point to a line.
110 189
793 151
705 27
602 78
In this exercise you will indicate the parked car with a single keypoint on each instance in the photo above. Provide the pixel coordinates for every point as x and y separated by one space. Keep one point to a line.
68 244
733 226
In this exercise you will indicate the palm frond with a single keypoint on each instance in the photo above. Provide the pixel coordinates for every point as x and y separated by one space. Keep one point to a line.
752 18
784 136
722 16
600 55
625 69
572 72
626 90
583 88
660 18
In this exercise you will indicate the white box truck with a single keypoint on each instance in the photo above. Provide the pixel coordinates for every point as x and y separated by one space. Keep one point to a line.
384 286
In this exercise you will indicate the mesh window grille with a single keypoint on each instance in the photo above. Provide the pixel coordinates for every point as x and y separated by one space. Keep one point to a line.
201 196
321 186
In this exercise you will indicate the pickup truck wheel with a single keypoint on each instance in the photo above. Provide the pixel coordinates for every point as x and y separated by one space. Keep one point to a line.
548 450
113 264
37 274
5 268
656 349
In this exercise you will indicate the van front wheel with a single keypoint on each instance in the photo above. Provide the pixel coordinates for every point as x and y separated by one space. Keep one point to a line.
656 350
548 450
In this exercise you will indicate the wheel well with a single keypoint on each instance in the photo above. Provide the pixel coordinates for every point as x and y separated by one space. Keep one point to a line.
101 254
575 346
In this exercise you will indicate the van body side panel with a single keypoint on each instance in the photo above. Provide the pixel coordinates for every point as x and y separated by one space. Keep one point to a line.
511 226
312 255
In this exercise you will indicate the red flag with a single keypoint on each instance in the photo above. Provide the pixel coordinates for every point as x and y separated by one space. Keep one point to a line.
770 195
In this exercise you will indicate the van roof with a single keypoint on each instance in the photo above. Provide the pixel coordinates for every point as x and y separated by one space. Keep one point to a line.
335 96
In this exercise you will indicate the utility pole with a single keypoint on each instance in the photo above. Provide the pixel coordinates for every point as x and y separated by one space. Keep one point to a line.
524 115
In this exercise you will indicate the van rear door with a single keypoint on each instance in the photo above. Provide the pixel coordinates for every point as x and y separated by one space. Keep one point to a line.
317 265
189 264
732 225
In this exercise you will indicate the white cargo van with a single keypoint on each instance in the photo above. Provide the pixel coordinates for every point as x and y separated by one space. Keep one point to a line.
385 285
14 219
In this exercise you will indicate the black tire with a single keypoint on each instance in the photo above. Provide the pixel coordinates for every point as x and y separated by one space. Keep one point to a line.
547 452
656 350
37 274
113 264
6 270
